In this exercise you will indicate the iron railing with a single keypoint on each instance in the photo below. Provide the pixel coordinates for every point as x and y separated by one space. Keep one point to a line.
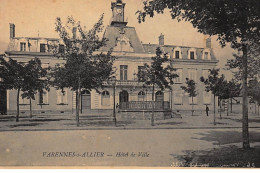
144 105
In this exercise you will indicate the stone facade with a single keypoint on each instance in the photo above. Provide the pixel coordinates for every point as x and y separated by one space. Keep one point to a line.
131 54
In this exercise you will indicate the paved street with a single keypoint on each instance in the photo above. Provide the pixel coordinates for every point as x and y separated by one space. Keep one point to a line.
128 120
159 147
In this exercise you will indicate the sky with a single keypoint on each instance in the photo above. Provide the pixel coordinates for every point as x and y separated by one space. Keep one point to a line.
33 18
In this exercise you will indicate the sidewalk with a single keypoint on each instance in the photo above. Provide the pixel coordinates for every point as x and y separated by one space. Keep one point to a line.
105 122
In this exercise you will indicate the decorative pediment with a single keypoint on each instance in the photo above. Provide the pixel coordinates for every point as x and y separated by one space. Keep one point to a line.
123 44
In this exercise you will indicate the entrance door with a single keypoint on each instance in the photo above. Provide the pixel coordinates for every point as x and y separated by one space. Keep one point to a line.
85 100
123 96
123 99
3 102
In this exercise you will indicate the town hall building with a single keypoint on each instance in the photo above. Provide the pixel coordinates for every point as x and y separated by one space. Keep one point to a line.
131 55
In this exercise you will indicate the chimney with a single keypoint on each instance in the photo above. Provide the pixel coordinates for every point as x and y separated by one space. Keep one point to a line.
208 42
74 32
161 39
12 30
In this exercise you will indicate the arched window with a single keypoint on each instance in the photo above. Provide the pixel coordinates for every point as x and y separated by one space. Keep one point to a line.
141 96
105 98
159 96
85 92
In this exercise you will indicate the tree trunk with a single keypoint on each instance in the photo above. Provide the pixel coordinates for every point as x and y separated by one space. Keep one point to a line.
30 108
231 104
78 102
220 109
255 107
245 133
227 106
192 106
153 104
77 108
258 110
214 109
17 105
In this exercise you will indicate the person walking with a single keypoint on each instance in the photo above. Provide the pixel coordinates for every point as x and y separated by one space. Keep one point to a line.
207 110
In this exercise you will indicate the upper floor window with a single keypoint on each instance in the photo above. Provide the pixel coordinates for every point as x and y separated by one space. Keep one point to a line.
42 47
123 72
192 74
23 47
205 73
61 48
140 69
179 78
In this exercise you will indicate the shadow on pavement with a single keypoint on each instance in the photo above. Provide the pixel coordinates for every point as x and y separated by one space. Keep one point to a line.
25 125
227 137
90 123
230 156
170 123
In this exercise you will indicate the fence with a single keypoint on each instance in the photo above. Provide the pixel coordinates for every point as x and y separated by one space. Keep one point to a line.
144 105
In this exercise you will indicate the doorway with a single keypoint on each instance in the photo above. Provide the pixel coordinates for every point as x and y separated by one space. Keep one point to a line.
123 99
123 96
85 100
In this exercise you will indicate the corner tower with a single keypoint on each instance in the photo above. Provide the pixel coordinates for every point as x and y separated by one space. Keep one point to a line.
118 13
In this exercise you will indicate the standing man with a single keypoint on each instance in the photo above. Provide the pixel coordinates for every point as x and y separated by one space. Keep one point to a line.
207 110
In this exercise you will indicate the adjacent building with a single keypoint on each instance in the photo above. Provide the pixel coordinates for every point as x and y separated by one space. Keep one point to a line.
131 55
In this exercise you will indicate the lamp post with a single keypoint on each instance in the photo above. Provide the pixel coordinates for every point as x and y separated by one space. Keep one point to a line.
113 80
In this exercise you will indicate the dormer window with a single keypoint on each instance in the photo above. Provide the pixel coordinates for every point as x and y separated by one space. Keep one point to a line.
206 54
192 54
177 53
42 47
22 47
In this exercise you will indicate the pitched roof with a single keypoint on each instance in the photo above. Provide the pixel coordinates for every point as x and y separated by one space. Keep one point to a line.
168 49
114 33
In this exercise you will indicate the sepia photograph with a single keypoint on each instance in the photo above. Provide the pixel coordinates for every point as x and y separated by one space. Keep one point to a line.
129 84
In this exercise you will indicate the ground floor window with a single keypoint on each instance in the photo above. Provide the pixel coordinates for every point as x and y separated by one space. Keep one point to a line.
23 101
159 96
141 96
206 97
194 100
43 97
62 96
177 97
105 98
